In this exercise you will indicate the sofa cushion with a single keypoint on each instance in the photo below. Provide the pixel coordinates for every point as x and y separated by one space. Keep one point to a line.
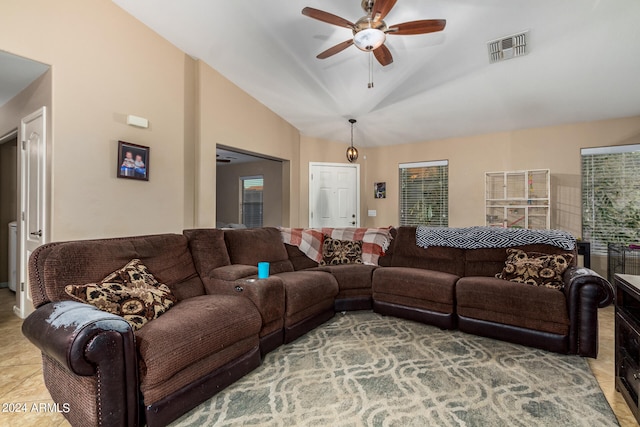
131 292
407 254
433 290
89 261
253 245
535 268
307 293
179 340
298 258
208 249
502 301
350 276
336 251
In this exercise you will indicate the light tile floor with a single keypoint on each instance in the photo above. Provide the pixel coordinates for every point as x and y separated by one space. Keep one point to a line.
21 379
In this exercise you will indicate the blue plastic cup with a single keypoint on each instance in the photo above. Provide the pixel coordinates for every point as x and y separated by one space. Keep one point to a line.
263 270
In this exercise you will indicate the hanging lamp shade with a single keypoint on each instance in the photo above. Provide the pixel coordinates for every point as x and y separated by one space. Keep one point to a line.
352 152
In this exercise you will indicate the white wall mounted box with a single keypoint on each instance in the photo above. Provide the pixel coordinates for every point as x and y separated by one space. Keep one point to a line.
140 122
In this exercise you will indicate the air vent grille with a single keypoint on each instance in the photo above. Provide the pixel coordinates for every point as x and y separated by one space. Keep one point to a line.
508 47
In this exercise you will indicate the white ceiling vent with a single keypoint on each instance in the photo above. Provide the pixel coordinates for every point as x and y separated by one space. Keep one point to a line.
507 47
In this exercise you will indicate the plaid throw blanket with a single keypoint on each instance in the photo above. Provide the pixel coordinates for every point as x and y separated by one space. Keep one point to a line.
375 241
491 237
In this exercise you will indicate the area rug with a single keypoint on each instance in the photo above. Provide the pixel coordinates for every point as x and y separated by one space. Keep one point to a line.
363 369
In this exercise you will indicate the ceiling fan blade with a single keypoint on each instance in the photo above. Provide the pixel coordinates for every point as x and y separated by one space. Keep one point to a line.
383 55
335 49
327 17
381 8
417 27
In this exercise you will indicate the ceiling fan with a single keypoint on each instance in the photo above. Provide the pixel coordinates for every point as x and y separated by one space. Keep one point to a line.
370 31
223 160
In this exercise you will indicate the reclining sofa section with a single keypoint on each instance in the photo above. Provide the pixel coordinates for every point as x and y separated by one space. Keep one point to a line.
224 319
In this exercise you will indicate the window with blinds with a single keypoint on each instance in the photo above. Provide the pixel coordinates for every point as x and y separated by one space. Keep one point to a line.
424 193
251 208
610 196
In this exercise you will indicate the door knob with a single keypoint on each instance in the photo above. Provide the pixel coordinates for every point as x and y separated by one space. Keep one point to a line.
353 216
353 223
37 233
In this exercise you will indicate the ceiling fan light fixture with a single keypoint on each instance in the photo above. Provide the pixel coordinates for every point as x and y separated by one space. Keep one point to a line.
369 39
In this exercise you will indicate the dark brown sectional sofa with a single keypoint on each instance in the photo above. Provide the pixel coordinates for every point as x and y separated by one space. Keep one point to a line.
225 319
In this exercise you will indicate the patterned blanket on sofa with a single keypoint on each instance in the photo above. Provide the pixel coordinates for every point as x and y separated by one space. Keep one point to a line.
375 241
491 237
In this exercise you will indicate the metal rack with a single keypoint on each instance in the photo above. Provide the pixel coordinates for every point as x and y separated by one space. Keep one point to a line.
622 259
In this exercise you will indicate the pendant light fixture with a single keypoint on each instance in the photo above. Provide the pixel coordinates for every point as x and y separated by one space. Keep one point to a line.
352 152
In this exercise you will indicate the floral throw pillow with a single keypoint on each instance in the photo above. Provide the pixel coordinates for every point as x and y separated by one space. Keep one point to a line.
131 292
535 268
335 252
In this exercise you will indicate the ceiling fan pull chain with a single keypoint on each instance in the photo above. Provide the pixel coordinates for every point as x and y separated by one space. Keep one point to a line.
370 85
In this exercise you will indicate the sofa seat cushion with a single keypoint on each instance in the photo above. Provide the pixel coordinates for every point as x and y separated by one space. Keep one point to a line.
501 301
350 276
415 287
193 330
307 293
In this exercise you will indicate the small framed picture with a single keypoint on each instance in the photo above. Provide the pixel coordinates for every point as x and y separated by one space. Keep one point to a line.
380 190
133 161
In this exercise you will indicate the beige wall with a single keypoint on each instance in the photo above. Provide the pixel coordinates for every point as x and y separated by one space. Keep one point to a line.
230 117
105 65
228 191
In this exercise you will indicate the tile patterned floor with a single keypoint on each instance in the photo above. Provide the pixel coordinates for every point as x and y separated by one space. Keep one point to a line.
21 376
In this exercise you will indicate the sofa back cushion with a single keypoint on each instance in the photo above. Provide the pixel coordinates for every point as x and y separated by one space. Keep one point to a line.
208 249
407 254
56 265
489 262
299 259
250 246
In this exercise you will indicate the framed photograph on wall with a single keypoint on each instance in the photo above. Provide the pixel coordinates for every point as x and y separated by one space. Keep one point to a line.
133 161
380 190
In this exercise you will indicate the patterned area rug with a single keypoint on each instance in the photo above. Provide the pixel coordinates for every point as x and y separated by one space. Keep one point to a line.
363 369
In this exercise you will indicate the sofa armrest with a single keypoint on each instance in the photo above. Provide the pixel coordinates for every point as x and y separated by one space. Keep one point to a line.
266 294
585 291
233 272
89 342
577 277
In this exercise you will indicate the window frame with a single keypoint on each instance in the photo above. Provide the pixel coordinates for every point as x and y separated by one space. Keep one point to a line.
442 205
618 191
244 204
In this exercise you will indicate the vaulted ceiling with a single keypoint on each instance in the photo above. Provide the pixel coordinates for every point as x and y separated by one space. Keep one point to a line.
583 63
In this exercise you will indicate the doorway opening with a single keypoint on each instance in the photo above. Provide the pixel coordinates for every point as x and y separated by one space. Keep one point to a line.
252 190
8 209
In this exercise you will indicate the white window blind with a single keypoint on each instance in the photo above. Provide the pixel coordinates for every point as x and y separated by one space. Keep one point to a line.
610 196
424 193
252 201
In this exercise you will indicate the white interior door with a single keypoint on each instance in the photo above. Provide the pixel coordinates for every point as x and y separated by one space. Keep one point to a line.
334 195
33 232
